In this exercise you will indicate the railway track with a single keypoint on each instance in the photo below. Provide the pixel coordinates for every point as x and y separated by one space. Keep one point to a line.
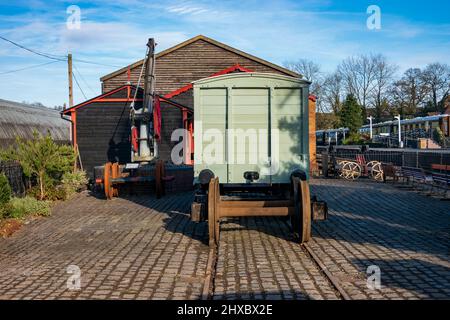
326 272
209 283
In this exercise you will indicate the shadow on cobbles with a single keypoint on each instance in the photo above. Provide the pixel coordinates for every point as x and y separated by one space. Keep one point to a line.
179 222
413 277
385 216
176 207
272 226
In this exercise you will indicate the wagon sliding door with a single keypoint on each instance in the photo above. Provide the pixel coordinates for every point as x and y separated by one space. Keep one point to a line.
248 132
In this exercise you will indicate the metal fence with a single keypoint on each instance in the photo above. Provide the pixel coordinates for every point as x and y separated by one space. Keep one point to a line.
399 157
13 171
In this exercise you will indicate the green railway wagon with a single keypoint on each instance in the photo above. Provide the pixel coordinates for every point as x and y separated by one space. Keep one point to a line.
252 150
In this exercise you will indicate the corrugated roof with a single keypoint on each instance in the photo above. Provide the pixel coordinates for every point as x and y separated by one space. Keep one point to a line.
19 119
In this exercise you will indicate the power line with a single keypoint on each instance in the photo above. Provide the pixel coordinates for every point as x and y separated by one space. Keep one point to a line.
29 67
55 57
78 85
42 54
96 63
82 79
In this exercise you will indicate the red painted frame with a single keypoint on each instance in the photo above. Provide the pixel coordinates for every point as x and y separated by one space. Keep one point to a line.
185 88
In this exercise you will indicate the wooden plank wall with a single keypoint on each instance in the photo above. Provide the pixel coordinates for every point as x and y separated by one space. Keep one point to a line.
195 61
171 119
103 132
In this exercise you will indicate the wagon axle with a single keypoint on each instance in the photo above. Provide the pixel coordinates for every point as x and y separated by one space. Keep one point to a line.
115 175
298 207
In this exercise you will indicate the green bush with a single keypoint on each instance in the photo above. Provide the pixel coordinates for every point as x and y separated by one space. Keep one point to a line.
21 207
438 136
56 193
52 193
5 190
5 210
43 159
353 139
74 181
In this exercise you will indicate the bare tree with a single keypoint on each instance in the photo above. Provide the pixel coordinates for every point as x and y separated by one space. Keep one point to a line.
358 74
310 71
383 75
436 77
332 93
409 92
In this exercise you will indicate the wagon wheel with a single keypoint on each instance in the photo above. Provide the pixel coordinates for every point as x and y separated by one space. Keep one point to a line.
114 175
341 164
376 170
212 207
107 184
301 217
351 170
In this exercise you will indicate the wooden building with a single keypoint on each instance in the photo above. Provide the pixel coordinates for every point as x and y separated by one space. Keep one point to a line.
191 60
101 126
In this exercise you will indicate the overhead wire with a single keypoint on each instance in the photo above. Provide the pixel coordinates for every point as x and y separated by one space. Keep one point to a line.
78 85
56 57
42 54
29 67
82 79
96 63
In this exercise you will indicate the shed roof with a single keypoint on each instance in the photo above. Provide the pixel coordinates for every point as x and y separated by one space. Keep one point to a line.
129 98
209 40
19 119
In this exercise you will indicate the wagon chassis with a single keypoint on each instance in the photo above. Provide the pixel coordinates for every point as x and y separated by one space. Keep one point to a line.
299 208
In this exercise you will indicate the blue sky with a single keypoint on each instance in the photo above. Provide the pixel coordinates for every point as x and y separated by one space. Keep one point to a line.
413 33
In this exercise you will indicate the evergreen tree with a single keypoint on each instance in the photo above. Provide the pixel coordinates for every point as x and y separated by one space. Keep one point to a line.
351 115
43 158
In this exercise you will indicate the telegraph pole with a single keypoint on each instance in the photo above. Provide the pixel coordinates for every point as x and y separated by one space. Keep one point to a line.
69 66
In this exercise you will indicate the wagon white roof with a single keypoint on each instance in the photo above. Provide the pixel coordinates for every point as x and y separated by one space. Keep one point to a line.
250 75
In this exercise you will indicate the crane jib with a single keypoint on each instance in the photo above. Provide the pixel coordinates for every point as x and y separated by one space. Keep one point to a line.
142 120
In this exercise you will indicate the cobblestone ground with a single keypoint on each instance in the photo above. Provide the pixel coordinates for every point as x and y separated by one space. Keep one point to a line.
141 248
136 248
257 259
403 233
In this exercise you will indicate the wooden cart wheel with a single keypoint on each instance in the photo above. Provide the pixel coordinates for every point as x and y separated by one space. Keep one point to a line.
301 219
107 184
376 170
115 174
351 170
211 211
341 164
